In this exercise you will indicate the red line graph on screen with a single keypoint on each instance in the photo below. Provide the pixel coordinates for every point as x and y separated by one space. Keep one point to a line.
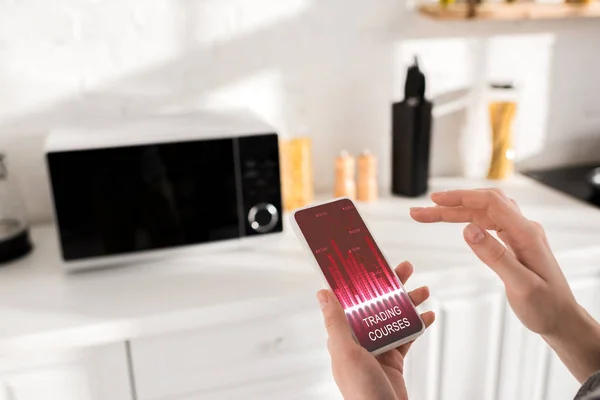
355 282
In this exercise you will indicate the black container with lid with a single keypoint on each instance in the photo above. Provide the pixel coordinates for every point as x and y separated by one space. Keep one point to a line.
14 230
411 137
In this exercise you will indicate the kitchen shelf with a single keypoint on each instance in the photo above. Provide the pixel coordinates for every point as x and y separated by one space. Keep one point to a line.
512 11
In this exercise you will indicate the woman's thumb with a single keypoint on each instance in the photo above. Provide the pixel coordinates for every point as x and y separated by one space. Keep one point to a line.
337 326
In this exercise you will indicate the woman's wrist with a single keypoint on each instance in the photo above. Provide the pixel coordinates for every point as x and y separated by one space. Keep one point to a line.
577 343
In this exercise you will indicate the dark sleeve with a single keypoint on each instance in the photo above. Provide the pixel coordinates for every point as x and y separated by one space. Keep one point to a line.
590 389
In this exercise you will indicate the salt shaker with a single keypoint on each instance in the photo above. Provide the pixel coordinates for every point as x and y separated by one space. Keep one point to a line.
345 185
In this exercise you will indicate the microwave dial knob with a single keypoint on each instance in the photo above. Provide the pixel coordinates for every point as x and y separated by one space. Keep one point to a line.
263 217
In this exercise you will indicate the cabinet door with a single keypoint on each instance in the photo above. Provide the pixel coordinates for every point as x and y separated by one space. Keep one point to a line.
523 359
100 373
422 365
530 369
459 357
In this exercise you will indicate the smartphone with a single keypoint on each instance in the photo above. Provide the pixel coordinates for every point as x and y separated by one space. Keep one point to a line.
377 306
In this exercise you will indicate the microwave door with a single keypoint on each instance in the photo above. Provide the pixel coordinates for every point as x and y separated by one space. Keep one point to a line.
204 180
130 199
133 204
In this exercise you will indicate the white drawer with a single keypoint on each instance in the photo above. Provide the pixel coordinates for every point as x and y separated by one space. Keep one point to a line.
229 355
58 382
310 385
99 373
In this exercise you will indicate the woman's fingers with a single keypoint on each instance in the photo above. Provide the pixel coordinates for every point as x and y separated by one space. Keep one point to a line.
470 198
419 295
520 234
498 207
428 317
442 214
338 329
392 359
451 214
404 270
491 252
515 204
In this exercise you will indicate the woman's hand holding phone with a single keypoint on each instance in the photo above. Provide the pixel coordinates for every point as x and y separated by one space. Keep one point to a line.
536 288
357 373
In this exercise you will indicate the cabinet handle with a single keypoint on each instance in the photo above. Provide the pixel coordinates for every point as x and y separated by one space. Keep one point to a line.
272 345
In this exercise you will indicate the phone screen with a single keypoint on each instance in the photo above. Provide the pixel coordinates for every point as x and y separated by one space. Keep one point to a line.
377 307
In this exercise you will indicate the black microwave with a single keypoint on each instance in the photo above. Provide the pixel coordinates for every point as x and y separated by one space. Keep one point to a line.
133 187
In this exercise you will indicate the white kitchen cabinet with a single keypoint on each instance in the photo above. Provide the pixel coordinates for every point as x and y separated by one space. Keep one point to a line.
98 373
469 349
316 384
228 355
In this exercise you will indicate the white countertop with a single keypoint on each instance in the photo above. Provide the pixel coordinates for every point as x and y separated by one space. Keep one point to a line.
42 307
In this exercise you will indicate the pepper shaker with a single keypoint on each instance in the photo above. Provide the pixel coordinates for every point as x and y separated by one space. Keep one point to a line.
367 177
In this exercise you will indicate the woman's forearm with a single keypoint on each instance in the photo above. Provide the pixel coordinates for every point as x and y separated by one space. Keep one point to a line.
578 344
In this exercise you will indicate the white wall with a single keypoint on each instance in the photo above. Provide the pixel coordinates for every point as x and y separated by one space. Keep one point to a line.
327 68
